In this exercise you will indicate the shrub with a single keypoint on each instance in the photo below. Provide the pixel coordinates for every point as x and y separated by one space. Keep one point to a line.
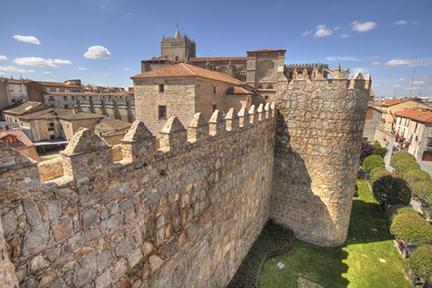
378 173
416 175
412 228
395 209
403 162
421 262
361 173
423 190
366 150
373 161
389 190
379 150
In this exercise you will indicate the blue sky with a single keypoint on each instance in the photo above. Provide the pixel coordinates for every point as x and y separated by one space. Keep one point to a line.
49 40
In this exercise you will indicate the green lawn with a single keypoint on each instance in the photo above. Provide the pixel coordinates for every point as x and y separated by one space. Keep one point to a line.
368 258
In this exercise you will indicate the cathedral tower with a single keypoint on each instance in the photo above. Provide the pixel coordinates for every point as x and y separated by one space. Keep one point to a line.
178 48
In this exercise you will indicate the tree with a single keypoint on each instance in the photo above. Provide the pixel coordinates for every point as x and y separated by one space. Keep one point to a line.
421 262
411 228
389 190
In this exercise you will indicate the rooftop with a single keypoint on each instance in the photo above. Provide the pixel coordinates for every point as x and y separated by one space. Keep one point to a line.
418 115
392 102
26 108
108 125
216 59
61 114
186 70
21 137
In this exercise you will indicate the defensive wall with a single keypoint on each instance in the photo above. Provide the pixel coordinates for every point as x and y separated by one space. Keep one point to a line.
179 209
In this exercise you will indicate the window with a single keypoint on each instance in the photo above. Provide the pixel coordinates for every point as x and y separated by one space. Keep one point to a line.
50 126
162 112
161 87
51 98
64 97
66 106
214 89
266 97
52 137
214 108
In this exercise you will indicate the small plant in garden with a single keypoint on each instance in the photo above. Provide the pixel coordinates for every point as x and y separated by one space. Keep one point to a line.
421 262
373 161
389 190
411 228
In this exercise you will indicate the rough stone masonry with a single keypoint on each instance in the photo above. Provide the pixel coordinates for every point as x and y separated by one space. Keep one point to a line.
182 208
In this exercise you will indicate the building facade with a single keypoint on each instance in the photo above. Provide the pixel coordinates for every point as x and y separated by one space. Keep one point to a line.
413 132
372 122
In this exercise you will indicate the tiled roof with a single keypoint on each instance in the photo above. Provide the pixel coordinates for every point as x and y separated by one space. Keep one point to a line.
86 93
186 70
418 115
216 59
59 84
26 108
61 114
22 138
238 90
392 102
112 125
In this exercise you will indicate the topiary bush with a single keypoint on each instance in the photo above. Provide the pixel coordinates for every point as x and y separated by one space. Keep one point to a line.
395 209
420 262
373 161
423 190
389 190
379 150
403 162
416 175
378 173
411 228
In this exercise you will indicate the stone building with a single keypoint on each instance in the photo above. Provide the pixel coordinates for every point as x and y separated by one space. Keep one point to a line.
413 132
182 90
372 122
4 93
112 130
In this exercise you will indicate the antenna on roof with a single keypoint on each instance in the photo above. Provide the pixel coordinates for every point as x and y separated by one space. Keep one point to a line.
413 77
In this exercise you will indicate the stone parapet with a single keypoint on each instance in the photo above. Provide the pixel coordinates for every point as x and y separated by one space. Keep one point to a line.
180 209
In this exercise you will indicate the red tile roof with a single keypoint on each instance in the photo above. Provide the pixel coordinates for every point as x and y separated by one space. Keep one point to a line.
238 90
26 108
392 102
186 70
418 115
22 138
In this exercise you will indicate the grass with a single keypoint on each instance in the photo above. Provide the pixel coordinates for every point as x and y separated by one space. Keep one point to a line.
368 259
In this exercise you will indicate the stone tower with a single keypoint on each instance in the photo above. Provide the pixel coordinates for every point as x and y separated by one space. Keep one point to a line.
319 132
178 48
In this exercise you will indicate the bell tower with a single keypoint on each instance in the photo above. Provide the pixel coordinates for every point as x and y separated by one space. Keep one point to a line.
178 48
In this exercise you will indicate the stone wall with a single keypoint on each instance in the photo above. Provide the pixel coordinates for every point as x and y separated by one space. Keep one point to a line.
319 131
181 211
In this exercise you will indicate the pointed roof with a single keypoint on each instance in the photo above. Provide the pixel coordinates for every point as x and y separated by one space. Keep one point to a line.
186 70
177 34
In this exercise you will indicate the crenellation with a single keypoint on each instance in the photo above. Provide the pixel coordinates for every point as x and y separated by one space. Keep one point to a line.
252 114
244 122
260 112
231 121
216 124
139 144
197 129
173 135
267 111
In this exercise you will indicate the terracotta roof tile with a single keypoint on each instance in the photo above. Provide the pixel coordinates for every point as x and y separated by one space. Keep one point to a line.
418 115
186 70
391 102
216 59
26 108
20 135
238 90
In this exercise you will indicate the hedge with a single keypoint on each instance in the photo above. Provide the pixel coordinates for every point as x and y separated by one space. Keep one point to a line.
389 190
421 262
377 173
403 162
373 161
412 228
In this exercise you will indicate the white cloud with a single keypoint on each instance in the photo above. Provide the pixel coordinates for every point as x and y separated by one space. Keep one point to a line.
341 58
344 35
363 26
376 62
46 72
11 69
399 62
82 68
3 57
400 23
306 33
27 39
322 31
41 62
97 52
